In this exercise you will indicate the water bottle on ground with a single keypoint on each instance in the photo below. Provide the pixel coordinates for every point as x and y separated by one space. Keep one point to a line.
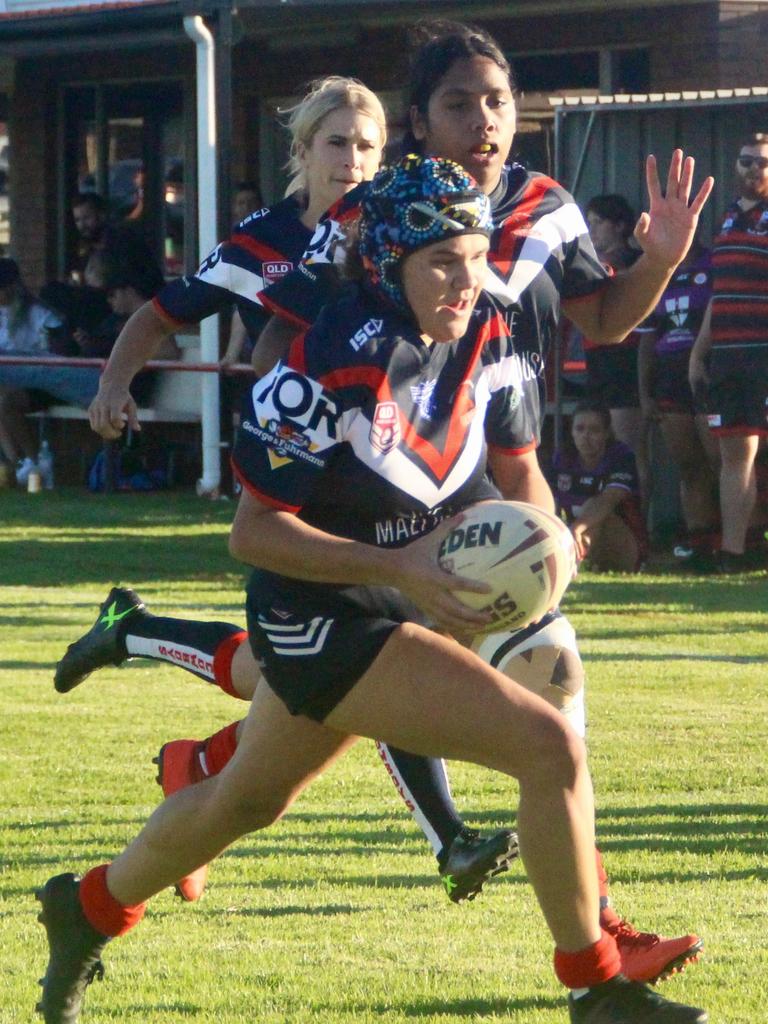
45 465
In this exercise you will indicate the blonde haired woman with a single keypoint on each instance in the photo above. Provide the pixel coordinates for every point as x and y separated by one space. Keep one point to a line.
338 133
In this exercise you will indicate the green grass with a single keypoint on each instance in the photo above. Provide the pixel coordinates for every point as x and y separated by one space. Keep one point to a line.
335 914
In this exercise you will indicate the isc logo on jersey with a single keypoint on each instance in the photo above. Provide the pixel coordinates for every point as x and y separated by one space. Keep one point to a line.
369 330
295 416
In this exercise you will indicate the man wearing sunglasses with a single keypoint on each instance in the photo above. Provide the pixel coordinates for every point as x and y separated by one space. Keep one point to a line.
730 356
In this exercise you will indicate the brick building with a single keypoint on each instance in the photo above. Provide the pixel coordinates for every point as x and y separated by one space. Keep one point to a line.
101 94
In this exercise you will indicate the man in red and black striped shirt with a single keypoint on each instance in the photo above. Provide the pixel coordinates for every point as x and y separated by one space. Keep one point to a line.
734 334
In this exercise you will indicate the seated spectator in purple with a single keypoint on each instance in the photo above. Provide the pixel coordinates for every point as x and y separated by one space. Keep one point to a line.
594 479
80 298
246 199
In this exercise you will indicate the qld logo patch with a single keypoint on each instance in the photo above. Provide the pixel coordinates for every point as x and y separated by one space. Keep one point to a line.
274 270
385 428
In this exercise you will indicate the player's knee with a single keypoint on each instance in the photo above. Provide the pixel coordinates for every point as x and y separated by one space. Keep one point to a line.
557 753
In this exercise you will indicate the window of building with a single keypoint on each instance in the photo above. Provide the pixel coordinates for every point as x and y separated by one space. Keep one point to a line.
126 142
588 72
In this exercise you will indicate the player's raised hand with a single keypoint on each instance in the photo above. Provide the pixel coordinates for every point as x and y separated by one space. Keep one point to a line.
666 230
112 410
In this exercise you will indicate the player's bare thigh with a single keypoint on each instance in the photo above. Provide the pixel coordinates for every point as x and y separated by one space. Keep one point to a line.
427 694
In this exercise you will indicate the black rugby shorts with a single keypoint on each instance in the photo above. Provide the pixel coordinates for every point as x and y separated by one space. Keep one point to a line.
314 641
737 394
612 375
669 384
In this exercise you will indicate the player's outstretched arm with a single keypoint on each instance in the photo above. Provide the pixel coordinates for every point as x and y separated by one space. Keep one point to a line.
272 344
664 232
113 408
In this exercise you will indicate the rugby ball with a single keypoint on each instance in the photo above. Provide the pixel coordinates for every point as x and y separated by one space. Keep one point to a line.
527 555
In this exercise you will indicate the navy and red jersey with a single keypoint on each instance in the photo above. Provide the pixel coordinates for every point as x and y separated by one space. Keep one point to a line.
541 253
264 247
573 485
740 279
680 310
369 433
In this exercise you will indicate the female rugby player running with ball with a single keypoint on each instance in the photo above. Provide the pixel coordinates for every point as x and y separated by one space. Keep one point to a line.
462 105
338 131
372 667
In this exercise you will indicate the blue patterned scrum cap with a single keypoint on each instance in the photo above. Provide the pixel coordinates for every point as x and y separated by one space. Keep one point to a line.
413 203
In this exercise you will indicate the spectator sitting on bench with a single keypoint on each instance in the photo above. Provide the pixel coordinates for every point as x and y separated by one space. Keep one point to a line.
27 327
129 280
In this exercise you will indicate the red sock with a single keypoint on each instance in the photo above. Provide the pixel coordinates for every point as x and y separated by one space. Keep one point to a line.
220 748
102 910
222 663
594 965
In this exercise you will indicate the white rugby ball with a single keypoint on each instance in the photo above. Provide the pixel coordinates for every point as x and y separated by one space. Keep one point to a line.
527 555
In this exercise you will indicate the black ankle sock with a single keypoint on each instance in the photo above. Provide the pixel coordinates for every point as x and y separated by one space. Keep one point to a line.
423 784
184 642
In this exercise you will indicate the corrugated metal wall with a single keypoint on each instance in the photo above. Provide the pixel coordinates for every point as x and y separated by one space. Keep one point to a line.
602 148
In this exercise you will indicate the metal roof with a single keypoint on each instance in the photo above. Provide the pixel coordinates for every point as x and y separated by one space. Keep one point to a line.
686 96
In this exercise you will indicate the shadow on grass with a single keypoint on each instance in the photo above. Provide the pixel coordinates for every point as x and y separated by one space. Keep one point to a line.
461 1009
689 830
625 595
32 563
727 659
287 910
37 666
171 1009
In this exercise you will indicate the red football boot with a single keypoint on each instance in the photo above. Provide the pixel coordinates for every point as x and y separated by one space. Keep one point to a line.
178 766
648 957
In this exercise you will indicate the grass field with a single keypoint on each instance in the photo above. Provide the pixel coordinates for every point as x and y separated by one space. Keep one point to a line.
336 915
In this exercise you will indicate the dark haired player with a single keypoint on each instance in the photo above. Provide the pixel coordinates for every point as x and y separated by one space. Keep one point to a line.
338 616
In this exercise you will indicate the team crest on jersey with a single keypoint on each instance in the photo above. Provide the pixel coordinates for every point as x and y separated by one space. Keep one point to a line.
677 309
423 397
273 270
385 427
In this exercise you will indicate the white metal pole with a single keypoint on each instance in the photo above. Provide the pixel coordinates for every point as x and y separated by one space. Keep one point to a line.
202 36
